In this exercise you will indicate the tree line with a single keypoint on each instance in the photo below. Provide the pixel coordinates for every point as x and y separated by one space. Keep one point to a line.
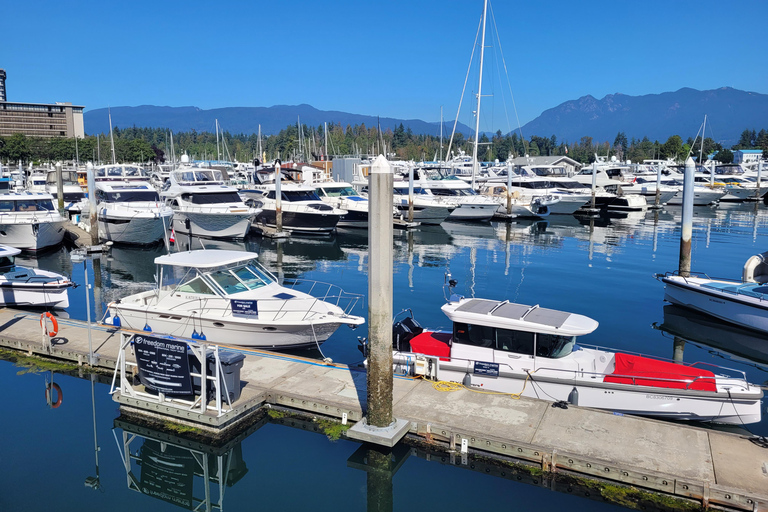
136 144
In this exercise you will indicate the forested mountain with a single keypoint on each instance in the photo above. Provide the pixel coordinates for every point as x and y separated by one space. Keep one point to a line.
656 116
245 120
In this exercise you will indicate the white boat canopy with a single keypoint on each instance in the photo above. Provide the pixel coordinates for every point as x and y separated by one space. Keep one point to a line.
519 317
205 259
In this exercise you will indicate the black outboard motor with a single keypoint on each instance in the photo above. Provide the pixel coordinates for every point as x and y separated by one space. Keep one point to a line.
403 332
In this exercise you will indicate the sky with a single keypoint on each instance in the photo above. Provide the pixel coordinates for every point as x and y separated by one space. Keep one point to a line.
405 59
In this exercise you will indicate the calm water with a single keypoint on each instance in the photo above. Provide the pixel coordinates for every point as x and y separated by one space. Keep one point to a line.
603 269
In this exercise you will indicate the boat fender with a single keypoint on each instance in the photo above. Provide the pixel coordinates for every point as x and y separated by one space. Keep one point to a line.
54 324
116 321
467 381
147 328
59 395
573 396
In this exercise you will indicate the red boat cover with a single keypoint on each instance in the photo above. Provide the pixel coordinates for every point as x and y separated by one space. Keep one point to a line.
432 344
629 366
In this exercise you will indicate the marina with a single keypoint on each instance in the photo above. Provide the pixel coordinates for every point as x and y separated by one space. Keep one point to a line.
524 260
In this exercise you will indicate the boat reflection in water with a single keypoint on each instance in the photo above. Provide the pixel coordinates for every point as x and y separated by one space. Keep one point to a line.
743 344
189 474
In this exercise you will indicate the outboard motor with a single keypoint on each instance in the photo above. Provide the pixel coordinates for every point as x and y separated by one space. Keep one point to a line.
403 332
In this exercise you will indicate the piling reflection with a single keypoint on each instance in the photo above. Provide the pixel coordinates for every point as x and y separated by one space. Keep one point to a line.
687 325
187 473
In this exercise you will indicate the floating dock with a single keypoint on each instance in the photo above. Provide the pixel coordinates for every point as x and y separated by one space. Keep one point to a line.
710 467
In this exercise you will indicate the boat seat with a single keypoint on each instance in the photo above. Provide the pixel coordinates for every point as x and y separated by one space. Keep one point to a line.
748 289
756 269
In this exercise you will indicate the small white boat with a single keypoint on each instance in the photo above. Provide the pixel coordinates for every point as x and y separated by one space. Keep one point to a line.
131 213
228 297
29 221
31 287
520 349
743 303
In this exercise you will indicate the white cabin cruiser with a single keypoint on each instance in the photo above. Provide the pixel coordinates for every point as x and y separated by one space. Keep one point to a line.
528 350
204 206
342 196
302 209
131 213
228 297
743 303
30 287
71 191
29 221
449 192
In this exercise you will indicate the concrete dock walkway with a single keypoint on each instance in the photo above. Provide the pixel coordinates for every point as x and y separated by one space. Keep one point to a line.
709 466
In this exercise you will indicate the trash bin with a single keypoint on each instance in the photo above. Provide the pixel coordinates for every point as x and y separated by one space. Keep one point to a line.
231 363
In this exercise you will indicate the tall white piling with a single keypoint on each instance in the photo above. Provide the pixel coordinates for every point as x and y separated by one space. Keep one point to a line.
60 187
380 374
594 183
92 207
687 220
410 193
657 202
759 178
509 188
278 198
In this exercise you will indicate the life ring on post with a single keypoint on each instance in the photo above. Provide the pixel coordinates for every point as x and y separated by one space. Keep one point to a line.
54 324
59 395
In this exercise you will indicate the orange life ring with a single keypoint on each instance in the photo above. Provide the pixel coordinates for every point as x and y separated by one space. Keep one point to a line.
59 395
44 324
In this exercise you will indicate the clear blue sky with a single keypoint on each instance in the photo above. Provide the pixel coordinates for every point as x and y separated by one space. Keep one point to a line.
397 58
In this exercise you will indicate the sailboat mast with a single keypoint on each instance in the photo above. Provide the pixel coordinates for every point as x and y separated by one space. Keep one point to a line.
475 163
701 151
112 138
441 133
260 156
218 152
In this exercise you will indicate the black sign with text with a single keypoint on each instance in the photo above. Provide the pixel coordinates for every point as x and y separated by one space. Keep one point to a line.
486 369
246 308
163 364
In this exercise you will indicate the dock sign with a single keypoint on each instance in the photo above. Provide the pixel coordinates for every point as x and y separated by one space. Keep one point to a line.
245 308
486 369
163 364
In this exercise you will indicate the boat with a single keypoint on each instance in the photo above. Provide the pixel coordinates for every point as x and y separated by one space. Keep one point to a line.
342 196
532 351
204 206
130 212
743 303
29 221
229 297
303 212
72 193
30 287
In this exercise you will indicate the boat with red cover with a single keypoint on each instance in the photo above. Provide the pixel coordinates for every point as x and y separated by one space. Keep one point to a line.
529 350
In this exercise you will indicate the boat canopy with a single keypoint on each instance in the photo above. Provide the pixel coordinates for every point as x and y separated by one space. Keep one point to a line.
521 317
205 259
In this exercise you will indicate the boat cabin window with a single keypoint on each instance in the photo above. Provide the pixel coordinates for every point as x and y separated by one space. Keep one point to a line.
7 263
340 192
27 205
212 198
520 342
197 285
228 282
128 196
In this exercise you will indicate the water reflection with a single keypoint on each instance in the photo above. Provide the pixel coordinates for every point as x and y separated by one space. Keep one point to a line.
190 474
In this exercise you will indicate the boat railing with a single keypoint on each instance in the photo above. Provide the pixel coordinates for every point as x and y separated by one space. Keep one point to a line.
31 216
222 209
326 292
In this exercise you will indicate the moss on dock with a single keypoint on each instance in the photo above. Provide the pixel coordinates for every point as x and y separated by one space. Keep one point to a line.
333 430
35 364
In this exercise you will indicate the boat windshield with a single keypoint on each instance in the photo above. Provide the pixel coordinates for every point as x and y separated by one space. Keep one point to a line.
212 197
340 192
129 196
226 280
27 205
240 279
7 263
553 345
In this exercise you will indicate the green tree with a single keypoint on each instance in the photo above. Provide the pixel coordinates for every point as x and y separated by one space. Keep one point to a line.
17 147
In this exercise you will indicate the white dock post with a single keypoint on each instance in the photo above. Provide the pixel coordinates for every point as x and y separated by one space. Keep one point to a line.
380 373
93 212
657 202
687 220
410 193
509 188
278 198
59 187
759 177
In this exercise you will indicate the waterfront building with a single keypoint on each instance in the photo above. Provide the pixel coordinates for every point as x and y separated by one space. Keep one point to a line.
747 156
60 119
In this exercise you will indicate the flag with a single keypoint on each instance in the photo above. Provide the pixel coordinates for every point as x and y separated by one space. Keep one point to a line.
172 239
566 150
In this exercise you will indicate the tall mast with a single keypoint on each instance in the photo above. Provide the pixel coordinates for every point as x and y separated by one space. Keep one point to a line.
325 130
441 133
260 156
475 163
218 152
111 137
701 151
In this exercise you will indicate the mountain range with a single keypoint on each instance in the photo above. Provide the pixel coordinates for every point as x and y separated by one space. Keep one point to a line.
656 116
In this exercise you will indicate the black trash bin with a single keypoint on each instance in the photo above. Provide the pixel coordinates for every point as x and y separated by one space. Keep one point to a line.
231 363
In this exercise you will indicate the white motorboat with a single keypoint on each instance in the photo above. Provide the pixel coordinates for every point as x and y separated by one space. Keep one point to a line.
29 221
72 193
342 196
131 213
30 287
432 188
743 303
521 202
204 206
302 209
531 351
228 297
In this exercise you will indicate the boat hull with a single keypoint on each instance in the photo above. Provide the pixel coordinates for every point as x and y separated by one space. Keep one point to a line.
213 225
47 295
299 222
473 212
428 215
742 310
135 230
33 236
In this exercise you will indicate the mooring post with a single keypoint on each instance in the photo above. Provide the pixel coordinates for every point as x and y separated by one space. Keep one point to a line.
687 220
278 198
379 482
759 176
93 212
380 374
60 187
410 193
678 348
594 183
509 187
657 203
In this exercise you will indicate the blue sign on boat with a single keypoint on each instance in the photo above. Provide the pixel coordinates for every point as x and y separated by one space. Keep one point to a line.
486 369
246 308
163 364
